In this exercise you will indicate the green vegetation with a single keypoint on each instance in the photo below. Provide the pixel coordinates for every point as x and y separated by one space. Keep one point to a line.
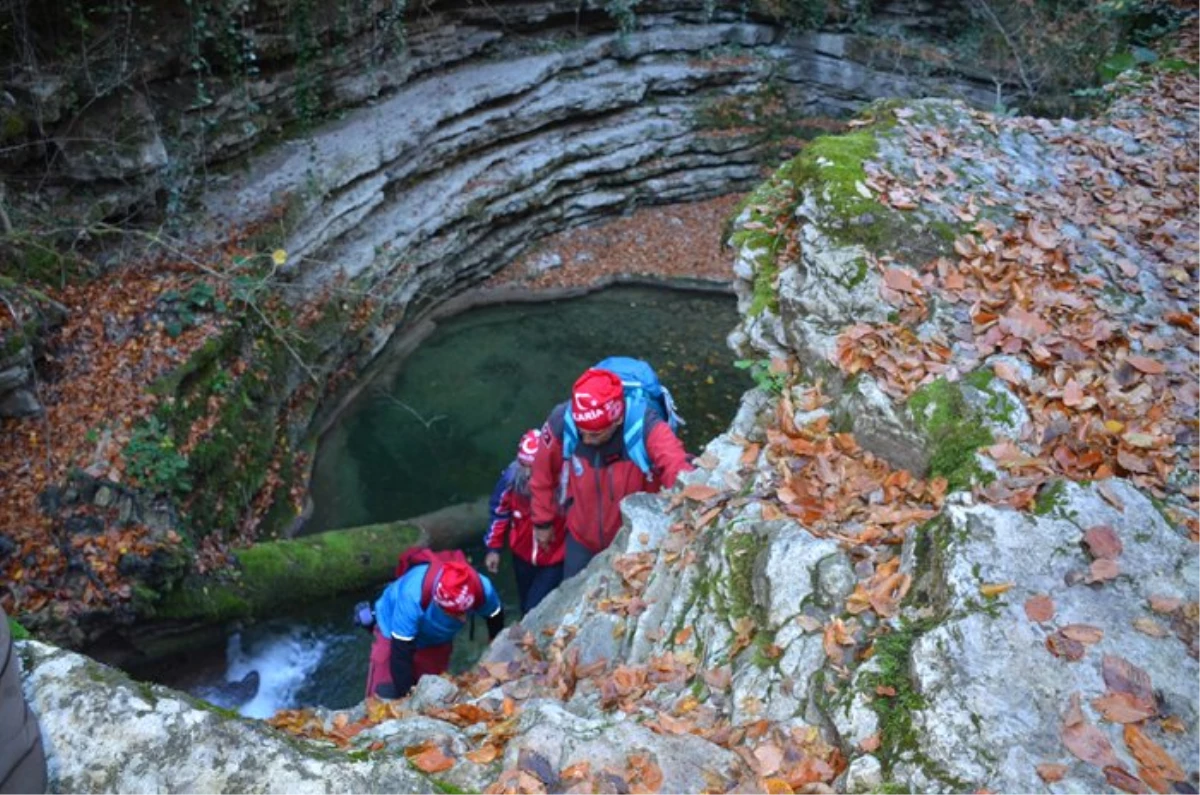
764 377
154 462
290 572
741 552
446 787
17 631
892 657
1050 498
954 433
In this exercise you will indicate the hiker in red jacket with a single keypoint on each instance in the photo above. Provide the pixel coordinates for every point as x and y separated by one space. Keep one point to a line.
589 488
538 567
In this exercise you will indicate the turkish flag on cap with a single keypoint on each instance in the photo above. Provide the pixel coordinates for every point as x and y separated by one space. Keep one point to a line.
597 401
458 588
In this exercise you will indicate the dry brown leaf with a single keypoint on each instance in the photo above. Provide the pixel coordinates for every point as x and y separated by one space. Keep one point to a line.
1062 646
1110 496
699 492
1165 604
1157 767
1132 462
1146 365
1051 772
579 770
1084 740
749 455
682 636
1122 676
1084 633
1073 394
1148 626
1121 708
1122 780
1102 570
1045 239
1102 542
1174 724
1007 372
769 757
1039 608
432 760
483 755
809 623
776 786
871 744
718 678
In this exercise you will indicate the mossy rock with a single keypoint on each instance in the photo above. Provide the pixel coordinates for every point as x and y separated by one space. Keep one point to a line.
954 432
283 574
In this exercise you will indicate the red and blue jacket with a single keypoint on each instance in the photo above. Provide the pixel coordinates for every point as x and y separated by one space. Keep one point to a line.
598 478
512 520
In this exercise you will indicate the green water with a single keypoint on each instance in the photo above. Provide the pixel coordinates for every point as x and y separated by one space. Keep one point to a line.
441 430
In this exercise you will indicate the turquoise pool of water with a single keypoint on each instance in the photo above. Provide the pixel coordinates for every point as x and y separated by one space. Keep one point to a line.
440 431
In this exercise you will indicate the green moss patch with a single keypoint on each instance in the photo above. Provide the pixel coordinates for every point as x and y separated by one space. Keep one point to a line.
292 572
953 431
892 656
1050 498
741 553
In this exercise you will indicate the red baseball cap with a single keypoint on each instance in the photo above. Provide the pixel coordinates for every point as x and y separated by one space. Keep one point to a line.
458 588
597 401
527 449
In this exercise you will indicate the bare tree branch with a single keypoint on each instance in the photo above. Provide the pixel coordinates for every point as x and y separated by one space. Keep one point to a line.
986 9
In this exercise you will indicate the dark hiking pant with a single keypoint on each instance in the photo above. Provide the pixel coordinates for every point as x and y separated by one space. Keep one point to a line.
534 583
577 557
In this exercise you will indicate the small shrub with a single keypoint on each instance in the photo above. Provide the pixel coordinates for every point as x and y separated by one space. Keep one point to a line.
153 460
764 377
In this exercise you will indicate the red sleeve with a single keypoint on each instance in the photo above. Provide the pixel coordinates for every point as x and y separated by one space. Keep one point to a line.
544 480
666 453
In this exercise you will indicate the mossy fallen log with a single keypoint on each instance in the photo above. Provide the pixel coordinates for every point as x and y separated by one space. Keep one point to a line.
279 575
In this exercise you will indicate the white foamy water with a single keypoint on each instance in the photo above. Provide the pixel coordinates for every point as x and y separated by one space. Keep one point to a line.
284 662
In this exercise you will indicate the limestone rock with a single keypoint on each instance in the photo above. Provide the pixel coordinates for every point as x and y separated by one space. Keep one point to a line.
106 733
114 138
994 693
564 739
788 577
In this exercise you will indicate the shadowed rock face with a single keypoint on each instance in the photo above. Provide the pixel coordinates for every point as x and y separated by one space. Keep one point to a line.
493 127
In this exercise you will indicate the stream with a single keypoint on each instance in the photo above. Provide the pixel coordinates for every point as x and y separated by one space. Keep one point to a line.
438 433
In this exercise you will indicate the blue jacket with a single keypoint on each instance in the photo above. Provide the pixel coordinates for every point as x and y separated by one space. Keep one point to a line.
400 615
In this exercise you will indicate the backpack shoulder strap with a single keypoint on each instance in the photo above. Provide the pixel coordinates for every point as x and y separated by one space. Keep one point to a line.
427 584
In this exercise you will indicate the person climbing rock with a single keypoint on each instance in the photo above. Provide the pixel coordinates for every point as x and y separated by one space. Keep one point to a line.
612 439
22 757
419 614
537 558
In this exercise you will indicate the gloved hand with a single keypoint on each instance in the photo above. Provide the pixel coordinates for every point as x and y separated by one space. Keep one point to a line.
491 561
364 616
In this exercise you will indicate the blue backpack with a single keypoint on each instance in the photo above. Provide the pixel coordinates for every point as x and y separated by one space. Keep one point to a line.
642 389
